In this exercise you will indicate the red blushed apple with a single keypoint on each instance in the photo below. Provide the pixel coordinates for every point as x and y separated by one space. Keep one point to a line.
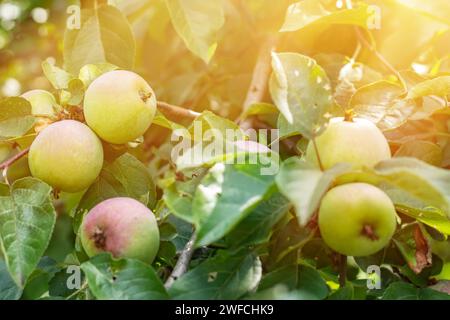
122 226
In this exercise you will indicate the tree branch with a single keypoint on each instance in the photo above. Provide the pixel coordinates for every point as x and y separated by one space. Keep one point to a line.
175 112
260 78
87 4
342 270
183 262
7 163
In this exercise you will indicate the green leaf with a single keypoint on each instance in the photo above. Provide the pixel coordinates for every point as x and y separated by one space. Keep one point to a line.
409 182
124 279
208 121
221 201
8 288
439 86
15 117
344 293
197 23
76 89
179 196
256 228
311 13
126 176
421 180
58 285
38 282
90 72
27 218
306 281
413 247
260 108
436 9
428 216
58 77
379 103
406 291
304 185
226 276
162 121
302 92
105 34
222 150
426 151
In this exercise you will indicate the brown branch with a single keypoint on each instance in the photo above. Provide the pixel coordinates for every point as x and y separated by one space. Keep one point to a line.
7 163
260 78
183 262
176 112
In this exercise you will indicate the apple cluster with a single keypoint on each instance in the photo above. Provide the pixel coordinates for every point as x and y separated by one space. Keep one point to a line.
355 219
119 106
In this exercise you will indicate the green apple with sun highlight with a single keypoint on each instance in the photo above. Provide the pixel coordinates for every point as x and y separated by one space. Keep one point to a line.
119 106
67 155
357 219
358 142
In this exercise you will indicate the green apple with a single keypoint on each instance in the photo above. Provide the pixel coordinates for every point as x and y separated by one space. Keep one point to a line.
356 219
67 155
42 102
119 106
358 142
122 226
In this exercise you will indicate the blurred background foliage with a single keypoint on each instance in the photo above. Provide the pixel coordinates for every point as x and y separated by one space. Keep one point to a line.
412 34
412 41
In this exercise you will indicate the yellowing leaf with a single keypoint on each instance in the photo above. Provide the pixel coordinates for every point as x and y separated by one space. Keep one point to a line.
197 23
301 91
105 36
308 12
439 86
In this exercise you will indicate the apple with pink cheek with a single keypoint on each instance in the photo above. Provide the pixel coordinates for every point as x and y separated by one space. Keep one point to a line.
122 226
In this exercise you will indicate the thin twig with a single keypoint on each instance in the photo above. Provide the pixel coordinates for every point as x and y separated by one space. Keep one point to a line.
342 270
83 287
182 263
380 57
316 149
7 163
176 112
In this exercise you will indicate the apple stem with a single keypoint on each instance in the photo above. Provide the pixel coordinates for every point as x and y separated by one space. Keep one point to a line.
316 149
369 232
348 116
342 270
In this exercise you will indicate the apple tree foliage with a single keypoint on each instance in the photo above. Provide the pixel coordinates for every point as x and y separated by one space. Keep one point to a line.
246 235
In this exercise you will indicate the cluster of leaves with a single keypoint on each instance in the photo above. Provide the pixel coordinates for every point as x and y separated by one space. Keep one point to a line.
255 236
